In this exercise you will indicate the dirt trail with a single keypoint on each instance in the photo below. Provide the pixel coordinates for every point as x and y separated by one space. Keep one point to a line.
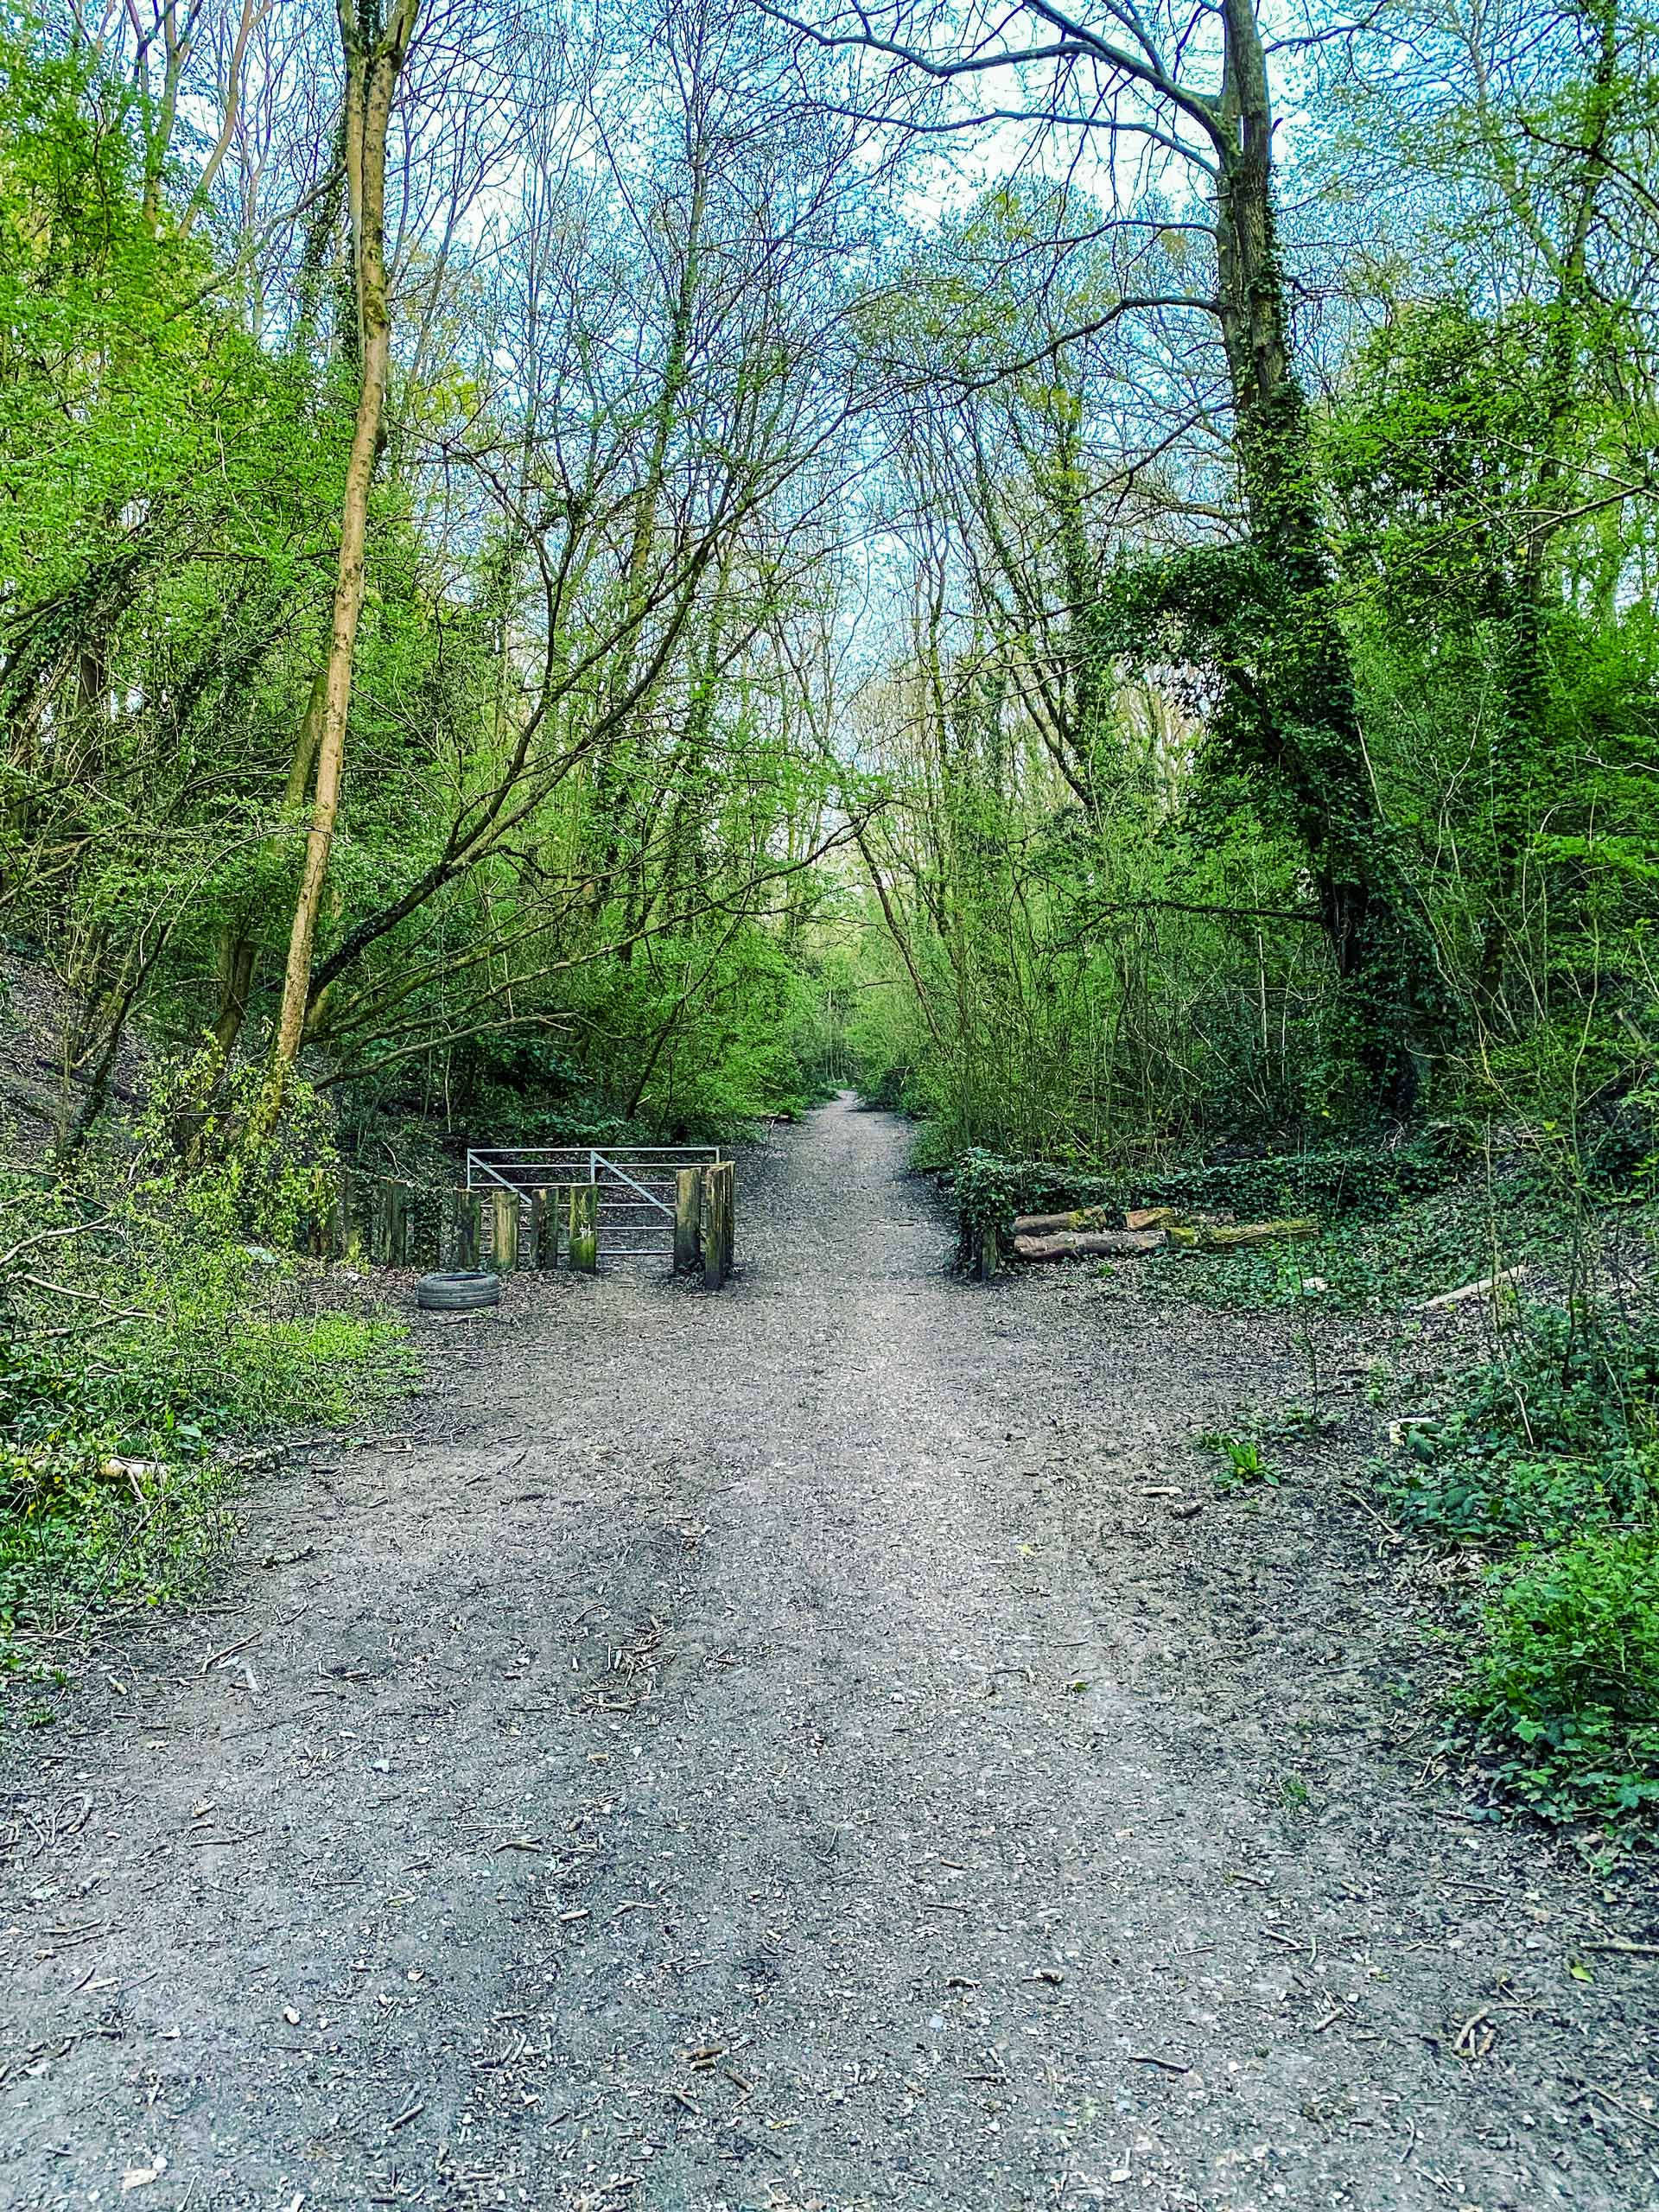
770 1750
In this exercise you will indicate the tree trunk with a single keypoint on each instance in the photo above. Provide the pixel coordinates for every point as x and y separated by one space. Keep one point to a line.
374 57
1382 951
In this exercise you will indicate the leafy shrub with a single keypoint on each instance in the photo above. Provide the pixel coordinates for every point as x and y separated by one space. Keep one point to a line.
1354 1182
137 1332
1564 1698
1556 1433
989 1192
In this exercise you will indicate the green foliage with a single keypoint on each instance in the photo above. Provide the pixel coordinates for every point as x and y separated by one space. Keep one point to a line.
987 1192
140 1338
1547 1453
1556 1434
1563 1699
1245 1464
1337 1183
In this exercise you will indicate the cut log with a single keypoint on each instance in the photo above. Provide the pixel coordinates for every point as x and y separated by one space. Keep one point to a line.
1152 1216
1210 1238
1050 1224
1090 1244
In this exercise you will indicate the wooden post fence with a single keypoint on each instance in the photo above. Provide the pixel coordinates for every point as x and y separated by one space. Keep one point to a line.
584 1228
688 1219
503 1231
719 1207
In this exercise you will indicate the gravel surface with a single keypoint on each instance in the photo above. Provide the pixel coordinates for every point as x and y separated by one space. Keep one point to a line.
792 1749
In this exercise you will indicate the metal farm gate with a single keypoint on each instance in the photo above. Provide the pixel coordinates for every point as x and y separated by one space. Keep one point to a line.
583 1204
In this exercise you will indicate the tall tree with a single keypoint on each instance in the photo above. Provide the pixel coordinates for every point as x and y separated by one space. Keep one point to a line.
1188 91
374 46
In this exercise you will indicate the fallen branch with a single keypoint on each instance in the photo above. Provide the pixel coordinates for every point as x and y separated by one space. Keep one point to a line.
1472 1290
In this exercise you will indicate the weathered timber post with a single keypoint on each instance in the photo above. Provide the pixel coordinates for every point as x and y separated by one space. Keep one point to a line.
458 1237
534 1236
584 1228
985 1260
503 1231
393 1224
718 1206
347 1235
688 1219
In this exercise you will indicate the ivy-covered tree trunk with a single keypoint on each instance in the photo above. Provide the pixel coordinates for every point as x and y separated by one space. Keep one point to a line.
1306 719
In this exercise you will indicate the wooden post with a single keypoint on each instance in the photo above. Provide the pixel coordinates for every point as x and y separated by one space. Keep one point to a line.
458 1237
347 1235
534 1235
688 1219
393 1224
584 1228
985 1262
718 1208
503 1231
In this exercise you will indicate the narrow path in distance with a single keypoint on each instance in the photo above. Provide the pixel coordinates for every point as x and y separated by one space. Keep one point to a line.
780 1750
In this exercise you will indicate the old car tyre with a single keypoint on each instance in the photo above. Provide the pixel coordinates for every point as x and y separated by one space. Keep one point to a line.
457 1293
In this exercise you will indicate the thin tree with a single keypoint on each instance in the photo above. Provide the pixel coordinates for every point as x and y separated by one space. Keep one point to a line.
374 48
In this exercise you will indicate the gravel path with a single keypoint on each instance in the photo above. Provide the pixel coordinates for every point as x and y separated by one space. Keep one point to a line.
782 1750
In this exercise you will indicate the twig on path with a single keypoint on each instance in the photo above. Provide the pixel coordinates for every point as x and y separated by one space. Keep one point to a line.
409 2113
230 1650
1625 1949
1289 1941
1595 2090
1463 2043
1151 2058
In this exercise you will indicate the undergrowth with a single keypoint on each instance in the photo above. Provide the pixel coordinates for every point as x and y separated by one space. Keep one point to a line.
1541 1453
151 1323
1544 1455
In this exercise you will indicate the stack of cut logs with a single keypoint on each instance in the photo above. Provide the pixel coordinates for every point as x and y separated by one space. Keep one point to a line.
1097 1233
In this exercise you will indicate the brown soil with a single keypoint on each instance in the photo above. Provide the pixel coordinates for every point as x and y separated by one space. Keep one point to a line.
783 1749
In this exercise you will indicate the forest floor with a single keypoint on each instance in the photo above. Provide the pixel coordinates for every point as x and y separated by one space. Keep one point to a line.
787 1749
